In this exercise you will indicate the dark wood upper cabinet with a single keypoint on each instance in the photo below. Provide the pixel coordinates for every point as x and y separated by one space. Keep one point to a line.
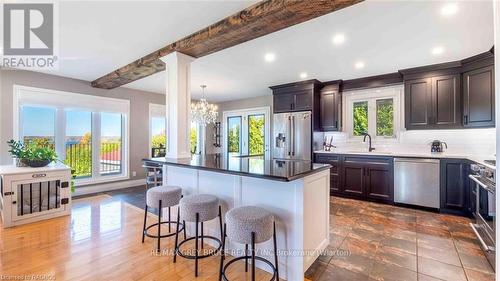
330 108
299 96
446 101
479 97
418 107
433 101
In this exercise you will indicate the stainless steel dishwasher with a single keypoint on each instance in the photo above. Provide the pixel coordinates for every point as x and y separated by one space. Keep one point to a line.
416 181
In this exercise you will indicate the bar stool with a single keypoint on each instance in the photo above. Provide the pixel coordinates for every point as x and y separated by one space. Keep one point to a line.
198 208
249 225
161 197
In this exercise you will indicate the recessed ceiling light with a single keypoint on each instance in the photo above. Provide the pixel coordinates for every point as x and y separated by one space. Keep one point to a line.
449 9
338 39
437 50
303 75
270 57
359 65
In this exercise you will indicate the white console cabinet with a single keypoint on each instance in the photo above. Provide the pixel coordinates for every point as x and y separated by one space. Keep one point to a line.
34 194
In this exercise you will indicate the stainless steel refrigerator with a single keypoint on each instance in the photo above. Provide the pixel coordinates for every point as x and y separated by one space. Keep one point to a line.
292 136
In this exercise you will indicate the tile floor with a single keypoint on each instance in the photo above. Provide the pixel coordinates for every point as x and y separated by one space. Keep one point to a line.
371 241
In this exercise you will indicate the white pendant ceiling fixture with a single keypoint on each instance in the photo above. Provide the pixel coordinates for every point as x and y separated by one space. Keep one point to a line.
202 112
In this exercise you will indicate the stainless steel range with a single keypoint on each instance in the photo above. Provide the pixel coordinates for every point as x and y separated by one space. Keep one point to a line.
483 190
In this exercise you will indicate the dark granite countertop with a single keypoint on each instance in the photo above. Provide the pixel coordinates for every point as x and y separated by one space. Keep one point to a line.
250 166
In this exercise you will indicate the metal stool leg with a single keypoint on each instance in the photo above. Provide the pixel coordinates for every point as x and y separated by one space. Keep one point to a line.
159 225
223 234
253 256
177 233
169 230
246 259
275 252
196 246
202 235
144 225
184 224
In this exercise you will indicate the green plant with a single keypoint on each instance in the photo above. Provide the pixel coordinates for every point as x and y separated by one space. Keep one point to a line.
31 151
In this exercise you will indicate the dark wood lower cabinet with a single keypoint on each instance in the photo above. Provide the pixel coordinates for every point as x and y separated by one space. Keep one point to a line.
334 160
361 177
379 181
454 185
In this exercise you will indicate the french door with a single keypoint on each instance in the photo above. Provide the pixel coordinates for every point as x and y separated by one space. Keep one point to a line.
247 132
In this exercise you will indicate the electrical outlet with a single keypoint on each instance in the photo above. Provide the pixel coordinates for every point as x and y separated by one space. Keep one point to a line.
134 173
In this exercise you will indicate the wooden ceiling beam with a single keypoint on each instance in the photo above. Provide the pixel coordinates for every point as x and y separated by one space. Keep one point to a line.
255 21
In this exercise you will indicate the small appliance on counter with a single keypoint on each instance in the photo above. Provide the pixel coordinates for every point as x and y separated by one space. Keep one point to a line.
437 146
483 199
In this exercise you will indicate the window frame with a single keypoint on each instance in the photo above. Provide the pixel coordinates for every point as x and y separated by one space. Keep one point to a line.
64 101
371 96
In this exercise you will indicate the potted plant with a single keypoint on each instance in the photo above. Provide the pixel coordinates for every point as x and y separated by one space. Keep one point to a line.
30 154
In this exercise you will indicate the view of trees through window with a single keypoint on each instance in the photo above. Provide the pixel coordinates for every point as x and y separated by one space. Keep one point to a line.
385 118
256 134
194 137
234 134
384 115
360 118
158 136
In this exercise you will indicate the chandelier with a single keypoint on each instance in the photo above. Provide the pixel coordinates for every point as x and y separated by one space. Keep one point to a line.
202 112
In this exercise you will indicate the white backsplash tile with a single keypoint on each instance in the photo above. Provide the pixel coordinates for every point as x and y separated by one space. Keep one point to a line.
467 141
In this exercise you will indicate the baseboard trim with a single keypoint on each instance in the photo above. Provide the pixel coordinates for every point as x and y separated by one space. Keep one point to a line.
103 187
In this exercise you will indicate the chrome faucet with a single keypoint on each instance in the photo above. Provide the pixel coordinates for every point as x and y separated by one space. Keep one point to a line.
370 148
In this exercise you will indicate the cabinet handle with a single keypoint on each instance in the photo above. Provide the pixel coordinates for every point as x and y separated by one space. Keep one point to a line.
336 124
466 117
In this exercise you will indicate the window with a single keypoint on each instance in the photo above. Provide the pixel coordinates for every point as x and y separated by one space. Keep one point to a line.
38 125
78 142
256 140
374 111
196 139
89 134
111 140
360 118
234 135
157 130
247 132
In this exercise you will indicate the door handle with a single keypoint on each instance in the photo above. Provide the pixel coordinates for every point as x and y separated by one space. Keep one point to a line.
293 138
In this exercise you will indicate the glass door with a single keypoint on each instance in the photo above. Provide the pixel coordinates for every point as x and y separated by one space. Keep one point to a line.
247 133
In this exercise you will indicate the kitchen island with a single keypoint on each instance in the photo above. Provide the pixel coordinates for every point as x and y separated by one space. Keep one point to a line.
296 192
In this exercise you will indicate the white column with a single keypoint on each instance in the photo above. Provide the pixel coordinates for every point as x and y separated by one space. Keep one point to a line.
178 104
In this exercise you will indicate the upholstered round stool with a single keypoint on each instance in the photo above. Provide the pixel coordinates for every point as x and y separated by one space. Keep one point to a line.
249 225
198 208
160 197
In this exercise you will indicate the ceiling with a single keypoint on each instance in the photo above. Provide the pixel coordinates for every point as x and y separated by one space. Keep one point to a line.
99 37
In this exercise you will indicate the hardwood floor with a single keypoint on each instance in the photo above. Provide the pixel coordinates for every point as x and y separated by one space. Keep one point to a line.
101 240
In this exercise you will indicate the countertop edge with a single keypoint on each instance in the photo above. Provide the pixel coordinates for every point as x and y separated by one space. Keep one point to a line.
243 174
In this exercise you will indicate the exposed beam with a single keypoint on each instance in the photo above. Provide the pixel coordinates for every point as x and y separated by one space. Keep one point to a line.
255 21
